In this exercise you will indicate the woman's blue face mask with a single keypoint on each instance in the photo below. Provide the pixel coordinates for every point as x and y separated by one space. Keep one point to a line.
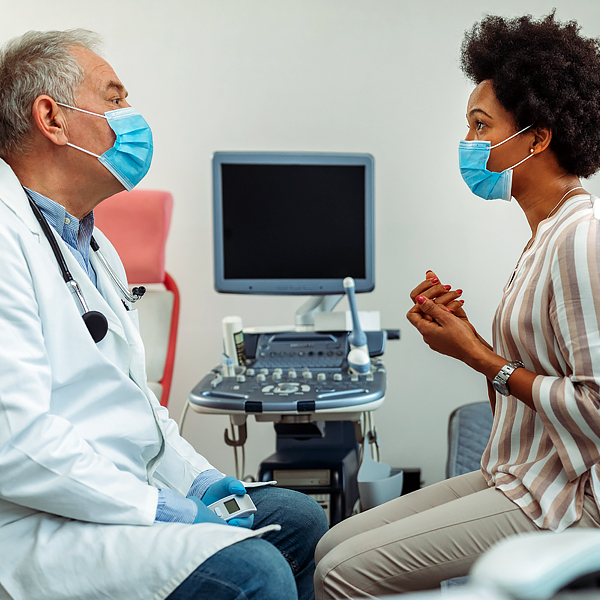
473 157
130 157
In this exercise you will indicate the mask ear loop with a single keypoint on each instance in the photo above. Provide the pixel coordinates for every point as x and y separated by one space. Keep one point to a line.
87 112
508 138
521 161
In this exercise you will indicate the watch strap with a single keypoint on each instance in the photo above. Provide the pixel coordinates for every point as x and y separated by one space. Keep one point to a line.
500 382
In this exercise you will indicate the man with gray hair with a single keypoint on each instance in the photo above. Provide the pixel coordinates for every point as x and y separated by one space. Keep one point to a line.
99 495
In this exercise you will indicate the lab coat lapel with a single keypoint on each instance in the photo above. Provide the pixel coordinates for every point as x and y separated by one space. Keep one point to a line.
14 196
127 319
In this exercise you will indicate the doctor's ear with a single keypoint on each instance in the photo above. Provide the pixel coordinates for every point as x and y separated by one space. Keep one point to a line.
542 137
50 120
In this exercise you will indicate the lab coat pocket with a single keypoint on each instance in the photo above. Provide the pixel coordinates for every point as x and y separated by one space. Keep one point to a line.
135 317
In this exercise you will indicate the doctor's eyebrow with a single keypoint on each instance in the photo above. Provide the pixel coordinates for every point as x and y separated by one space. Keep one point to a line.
117 85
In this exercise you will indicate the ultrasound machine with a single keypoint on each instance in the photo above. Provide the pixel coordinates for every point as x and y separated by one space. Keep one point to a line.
299 224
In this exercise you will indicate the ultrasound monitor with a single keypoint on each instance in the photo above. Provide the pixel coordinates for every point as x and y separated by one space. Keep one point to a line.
293 223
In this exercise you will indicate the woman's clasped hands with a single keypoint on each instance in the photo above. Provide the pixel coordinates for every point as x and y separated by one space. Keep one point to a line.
439 316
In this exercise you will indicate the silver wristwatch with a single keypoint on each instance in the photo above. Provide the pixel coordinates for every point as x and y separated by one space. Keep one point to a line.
500 382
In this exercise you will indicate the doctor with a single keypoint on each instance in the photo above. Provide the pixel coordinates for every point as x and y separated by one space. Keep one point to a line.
99 495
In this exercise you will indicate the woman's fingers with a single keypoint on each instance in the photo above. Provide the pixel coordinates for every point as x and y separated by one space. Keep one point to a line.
431 279
429 290
447 297
444 295
456 306
440 294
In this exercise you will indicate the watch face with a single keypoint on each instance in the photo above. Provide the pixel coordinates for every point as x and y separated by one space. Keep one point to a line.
500 387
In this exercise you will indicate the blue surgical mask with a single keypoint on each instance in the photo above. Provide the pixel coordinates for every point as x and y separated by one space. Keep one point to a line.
130 157
473 157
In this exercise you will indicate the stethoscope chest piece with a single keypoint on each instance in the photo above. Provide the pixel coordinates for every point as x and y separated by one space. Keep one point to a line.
96 323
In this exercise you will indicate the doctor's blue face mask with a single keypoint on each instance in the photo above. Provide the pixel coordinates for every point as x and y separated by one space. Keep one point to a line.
473 157
130 157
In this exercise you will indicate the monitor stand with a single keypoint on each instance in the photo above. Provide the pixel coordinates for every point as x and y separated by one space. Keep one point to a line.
305 315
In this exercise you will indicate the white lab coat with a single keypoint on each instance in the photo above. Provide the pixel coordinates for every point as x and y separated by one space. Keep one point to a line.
83 443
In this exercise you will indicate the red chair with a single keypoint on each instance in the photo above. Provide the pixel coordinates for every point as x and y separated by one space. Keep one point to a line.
137 224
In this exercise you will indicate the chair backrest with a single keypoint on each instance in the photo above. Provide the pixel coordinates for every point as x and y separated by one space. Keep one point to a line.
137 224
469 429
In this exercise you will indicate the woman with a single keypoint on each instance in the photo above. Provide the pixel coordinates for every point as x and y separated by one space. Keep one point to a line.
534 130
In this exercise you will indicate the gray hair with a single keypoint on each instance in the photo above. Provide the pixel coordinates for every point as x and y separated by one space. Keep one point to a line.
34 64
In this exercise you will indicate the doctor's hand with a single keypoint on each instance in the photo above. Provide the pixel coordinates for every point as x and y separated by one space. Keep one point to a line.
222 488
226 487
446 333
204 514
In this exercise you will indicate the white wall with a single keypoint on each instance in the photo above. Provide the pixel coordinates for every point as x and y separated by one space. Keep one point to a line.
378 76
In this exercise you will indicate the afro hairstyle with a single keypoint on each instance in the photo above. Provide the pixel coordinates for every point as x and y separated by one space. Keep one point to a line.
544 73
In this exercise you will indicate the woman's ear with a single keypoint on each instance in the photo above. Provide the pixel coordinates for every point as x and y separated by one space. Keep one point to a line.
541 139
50 120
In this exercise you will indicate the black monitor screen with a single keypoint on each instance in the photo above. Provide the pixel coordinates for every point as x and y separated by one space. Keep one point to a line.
293 221
289 228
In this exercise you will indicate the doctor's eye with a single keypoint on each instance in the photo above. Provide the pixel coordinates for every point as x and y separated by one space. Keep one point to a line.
479 125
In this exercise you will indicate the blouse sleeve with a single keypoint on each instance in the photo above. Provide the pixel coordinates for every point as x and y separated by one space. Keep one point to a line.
568 403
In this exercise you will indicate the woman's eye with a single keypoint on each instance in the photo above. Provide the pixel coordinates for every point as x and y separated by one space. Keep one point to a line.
479 125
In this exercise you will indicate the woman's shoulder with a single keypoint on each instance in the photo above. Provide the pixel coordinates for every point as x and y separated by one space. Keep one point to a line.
576 216
576 235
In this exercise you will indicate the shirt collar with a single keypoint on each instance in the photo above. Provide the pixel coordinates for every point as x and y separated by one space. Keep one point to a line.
68 227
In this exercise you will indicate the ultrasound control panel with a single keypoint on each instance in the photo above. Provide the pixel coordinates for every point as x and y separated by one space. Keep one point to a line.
295 373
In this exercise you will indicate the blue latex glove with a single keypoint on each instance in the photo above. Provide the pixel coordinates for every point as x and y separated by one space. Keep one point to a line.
246 522
223 488
205 515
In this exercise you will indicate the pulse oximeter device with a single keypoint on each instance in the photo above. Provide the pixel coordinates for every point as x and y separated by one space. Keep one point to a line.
233 507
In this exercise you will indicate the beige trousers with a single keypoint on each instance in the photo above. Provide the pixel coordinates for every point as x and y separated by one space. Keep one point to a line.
418 540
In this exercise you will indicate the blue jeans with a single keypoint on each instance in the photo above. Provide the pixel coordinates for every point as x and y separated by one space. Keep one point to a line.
279 566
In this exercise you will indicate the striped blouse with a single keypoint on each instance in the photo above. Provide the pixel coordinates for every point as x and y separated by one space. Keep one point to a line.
549 318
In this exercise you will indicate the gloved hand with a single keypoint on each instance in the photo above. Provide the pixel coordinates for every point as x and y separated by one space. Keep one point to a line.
205 515
246 522
174 508
226 487
222 488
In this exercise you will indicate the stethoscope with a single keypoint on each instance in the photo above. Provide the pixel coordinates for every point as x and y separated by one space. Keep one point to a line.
95 321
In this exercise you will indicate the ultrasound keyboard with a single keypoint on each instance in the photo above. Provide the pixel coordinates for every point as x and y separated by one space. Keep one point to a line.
295 373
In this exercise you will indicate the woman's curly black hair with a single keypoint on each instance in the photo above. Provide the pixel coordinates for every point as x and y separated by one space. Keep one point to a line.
546 74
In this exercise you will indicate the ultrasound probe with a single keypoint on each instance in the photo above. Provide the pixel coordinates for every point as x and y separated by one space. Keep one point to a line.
359 360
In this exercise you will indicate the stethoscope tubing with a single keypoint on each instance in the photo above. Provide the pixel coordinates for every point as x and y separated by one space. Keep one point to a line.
138 292
95 321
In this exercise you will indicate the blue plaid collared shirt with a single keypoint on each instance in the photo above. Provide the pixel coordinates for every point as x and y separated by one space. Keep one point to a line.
75 233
